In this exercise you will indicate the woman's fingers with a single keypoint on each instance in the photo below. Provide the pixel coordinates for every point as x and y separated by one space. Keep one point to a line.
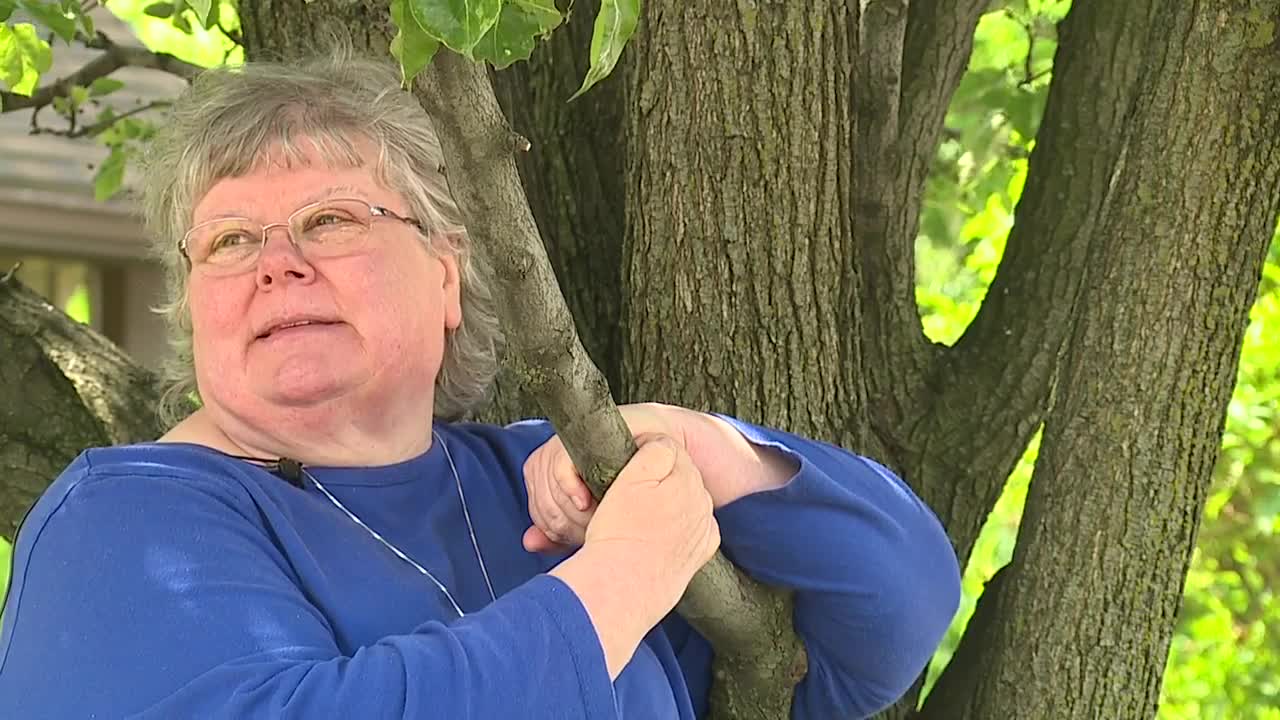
560 504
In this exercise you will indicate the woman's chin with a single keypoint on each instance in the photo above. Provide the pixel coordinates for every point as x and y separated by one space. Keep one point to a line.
302 386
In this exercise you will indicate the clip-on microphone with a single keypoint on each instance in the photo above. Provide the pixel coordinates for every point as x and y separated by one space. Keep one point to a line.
290 470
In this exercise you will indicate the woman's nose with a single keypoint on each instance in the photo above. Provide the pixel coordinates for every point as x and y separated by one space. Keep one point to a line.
282 260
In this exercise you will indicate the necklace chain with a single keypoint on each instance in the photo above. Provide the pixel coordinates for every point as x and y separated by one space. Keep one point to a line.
466 513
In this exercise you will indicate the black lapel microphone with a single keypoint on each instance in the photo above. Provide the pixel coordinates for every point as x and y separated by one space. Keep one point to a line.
290 470
287 468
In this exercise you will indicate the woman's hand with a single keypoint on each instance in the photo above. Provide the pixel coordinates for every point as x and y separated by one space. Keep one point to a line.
560 503
652 532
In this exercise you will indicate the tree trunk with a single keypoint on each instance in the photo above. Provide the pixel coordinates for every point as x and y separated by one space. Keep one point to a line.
1081 619
738 226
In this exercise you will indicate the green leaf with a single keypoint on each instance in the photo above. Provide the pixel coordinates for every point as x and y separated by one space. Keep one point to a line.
110 176
6 9
201 8
159 10
104 86
51 16
459 24
614 25
86 21
519 27
412 47
24 56
79 96
211 17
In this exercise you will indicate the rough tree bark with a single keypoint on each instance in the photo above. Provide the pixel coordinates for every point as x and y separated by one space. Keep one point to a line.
744 198
74 390
1026 319
1130 442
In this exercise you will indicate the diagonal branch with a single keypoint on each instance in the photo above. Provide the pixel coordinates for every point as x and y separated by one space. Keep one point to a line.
112 58
910 61
1004 367
892 336
935 54
757 651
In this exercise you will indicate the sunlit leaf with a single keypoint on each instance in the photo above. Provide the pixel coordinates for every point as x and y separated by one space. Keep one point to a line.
104 86
201 9
412 47
210 19
6 552
110 176
159 10
24 56
196 45
614 25
518 29
52 16
459 24
78 305
79 95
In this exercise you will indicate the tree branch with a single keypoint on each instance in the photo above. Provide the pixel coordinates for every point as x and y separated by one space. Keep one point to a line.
936 51
892 338
74 387
101 126
745 622
1027 317
930 43
574 180
112 58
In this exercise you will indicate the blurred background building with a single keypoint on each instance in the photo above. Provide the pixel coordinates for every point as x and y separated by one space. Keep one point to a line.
85 256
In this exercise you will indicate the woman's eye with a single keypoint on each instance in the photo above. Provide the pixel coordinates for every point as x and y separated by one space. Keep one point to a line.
331 218
229 240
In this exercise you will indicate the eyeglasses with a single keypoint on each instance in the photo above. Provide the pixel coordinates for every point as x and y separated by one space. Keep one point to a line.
325 229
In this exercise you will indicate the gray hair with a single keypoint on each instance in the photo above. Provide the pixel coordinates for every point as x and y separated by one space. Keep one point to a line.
223 125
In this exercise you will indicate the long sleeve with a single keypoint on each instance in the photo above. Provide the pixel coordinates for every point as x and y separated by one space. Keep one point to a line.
876 579
154 597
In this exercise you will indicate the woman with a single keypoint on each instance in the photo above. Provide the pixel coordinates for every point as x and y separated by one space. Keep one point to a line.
313 542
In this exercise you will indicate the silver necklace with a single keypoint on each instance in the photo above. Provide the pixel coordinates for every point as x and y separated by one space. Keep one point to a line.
466 513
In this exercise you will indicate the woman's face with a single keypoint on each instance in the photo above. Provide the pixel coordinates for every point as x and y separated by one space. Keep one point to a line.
376 319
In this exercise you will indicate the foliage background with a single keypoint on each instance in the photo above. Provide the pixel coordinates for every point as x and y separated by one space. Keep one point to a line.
1223 663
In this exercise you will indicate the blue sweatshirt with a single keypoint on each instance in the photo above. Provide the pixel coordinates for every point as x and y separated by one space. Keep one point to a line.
165 581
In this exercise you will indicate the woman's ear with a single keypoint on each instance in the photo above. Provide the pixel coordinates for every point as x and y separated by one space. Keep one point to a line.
452 291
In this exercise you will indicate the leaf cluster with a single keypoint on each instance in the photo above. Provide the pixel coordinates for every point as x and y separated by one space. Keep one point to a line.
502 32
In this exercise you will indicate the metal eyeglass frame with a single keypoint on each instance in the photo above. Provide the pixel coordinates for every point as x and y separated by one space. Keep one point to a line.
375 211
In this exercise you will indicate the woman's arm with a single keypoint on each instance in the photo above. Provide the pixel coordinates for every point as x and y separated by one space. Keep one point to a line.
164 597
875 576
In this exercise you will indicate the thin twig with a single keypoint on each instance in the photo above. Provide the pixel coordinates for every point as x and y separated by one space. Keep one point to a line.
112 58
102 125
233 35
12 272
